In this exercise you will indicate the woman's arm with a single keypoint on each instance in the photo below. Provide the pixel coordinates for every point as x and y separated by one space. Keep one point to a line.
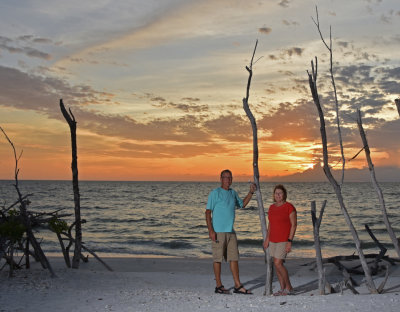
293 223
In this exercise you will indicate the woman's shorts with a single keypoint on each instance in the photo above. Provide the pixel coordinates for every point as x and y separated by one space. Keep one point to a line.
277 250
225 247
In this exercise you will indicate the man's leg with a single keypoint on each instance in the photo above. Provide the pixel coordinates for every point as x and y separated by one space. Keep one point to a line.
234 265
217 273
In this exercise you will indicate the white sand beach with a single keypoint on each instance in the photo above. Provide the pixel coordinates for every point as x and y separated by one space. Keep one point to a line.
180 284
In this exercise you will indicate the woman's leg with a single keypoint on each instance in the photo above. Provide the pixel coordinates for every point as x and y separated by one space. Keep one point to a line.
283 275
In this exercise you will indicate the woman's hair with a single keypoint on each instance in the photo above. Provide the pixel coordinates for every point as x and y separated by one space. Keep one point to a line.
279 187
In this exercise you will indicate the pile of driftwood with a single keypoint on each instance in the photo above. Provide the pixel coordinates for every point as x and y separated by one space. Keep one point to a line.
18 224
377 263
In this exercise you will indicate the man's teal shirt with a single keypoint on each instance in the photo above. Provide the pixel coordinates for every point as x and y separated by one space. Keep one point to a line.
222 203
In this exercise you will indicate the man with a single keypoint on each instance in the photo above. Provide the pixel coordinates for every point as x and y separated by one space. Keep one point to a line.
220 217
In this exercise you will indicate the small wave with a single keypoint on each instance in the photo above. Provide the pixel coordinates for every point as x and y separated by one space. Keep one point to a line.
198 227
177 244
250 242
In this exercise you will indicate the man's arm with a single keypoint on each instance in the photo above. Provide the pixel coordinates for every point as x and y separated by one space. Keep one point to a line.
211 232
249 195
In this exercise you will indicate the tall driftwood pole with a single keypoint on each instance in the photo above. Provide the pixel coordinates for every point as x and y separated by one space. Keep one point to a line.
261 211
69 117
376 185
397 101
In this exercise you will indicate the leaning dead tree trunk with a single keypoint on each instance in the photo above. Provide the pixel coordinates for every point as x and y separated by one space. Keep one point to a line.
337 187
376 185
69 117
25 218
318 254
261 211
314 91
397 101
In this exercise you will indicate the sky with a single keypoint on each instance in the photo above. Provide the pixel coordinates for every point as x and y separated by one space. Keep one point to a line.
156 87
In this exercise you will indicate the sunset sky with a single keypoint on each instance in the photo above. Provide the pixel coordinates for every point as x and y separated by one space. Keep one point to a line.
157 86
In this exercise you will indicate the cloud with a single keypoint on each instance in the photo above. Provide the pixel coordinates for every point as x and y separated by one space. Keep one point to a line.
190 105
294 51
10 46
41 94
291 122
265 30
159 150
31 92
284 3
230 127
287 53
289 23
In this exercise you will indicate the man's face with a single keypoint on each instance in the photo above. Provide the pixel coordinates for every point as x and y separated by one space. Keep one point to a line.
226 180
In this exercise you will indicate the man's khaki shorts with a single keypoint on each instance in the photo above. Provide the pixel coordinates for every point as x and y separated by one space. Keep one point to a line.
277 250
226 247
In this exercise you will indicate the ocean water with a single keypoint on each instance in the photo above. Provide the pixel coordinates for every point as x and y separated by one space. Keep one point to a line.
167 218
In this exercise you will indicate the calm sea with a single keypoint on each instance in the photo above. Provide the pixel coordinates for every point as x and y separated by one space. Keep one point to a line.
167 218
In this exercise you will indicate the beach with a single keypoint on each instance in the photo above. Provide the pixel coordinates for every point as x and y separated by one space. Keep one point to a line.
181 284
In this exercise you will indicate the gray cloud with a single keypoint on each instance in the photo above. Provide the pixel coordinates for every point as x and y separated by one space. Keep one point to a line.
26 91
284 3
294 51
265 30
289 23
189 105
12 46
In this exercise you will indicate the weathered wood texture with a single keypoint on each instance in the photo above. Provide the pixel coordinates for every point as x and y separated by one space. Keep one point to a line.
327 170
261 211
69 117
318 254
377 188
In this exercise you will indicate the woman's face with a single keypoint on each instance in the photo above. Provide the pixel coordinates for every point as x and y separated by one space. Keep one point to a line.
278 195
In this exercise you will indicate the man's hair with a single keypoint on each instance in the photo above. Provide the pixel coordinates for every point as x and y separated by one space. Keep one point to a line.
226 171
279 187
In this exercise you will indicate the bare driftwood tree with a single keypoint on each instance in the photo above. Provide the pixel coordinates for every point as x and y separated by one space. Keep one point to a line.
329 48
69 117
397 101
26 220
318 254
327 170
261 211
377 188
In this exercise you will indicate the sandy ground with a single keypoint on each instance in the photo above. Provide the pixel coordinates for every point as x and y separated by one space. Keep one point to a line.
180 284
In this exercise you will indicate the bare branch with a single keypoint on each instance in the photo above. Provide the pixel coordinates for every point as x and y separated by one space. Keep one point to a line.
355 156
397 101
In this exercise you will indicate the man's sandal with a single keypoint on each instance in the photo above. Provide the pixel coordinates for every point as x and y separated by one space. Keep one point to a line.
221 290
245 292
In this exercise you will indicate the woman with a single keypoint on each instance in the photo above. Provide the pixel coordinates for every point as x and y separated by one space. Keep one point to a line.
282 217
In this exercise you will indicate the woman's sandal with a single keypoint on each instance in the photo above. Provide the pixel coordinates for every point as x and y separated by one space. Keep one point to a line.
221 290
237 291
